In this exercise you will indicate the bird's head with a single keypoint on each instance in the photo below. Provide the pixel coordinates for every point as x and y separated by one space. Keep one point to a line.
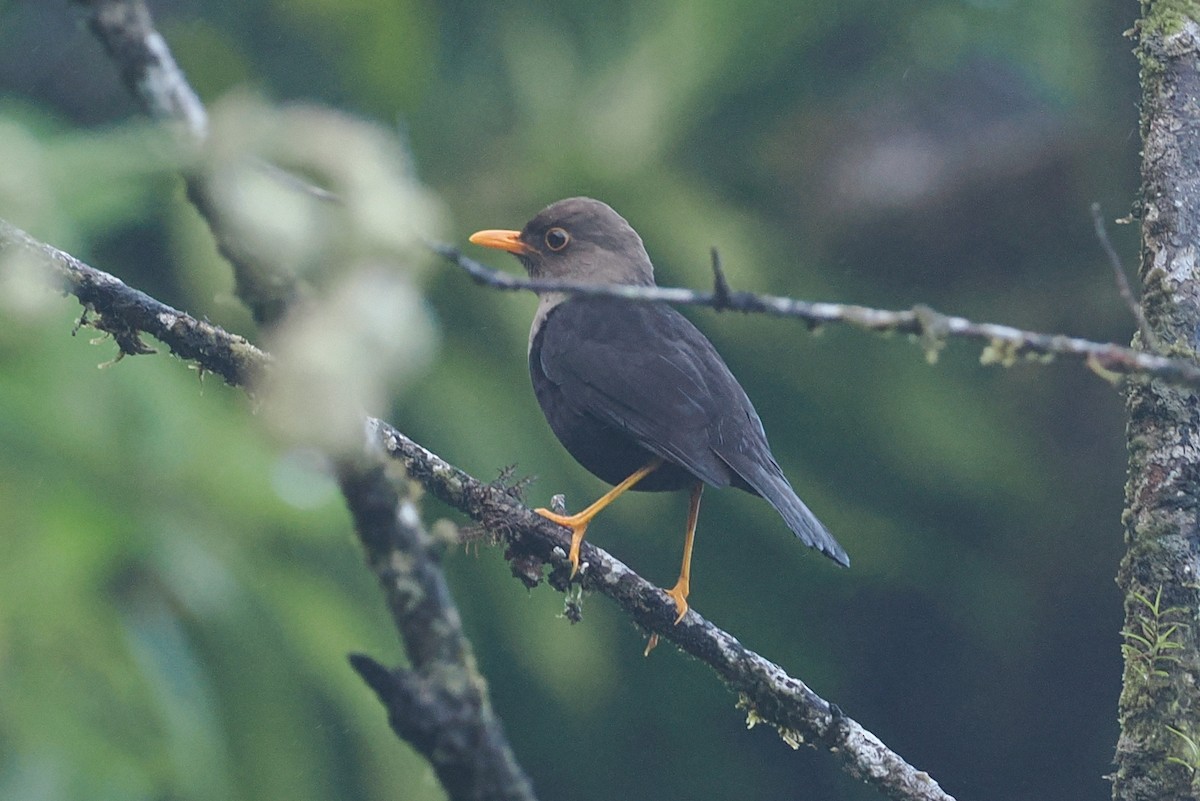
577 239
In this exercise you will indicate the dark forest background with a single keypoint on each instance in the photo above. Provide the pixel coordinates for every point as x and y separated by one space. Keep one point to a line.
178 591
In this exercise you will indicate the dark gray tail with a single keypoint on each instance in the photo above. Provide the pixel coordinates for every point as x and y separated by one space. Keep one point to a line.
773 485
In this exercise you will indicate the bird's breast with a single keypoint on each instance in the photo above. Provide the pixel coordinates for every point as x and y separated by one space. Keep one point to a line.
605 451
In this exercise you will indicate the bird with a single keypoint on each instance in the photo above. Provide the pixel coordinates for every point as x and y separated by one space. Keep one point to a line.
634 391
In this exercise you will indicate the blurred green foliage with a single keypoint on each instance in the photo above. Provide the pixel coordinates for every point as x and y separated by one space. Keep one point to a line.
178 590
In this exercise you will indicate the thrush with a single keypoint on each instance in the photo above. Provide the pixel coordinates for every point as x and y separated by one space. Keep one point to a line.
634 391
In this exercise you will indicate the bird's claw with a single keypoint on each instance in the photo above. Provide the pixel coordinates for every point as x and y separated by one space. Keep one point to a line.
578 524
679 594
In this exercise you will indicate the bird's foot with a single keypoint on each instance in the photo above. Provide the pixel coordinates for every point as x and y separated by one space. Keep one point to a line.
578 524
679 594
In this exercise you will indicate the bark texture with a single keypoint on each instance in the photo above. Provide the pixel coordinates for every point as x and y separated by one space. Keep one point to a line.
1158 754
440 704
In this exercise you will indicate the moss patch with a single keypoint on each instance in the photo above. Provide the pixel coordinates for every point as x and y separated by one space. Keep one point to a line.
1166 17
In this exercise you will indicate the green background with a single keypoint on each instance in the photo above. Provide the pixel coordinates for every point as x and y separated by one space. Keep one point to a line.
178 591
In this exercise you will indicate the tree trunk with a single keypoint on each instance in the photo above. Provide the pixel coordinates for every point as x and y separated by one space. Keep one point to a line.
1158 754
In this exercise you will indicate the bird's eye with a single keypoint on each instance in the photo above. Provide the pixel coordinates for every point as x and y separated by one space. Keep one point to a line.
557 239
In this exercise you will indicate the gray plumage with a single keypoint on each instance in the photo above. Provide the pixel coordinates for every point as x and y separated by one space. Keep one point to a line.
622 382
614 402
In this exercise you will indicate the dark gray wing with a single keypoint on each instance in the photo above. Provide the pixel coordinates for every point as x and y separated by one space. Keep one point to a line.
646 370
639 369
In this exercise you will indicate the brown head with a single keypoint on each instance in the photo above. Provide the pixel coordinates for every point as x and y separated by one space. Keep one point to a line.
577 239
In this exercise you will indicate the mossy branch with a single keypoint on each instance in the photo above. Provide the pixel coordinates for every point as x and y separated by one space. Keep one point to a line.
1002 344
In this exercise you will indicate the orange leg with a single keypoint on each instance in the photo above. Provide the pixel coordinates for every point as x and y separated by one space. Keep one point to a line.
679 592
578 523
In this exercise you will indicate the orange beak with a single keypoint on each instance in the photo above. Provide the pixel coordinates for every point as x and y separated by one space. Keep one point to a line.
501 240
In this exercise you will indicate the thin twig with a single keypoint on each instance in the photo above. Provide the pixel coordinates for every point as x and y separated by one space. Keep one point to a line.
1149 340
1004 344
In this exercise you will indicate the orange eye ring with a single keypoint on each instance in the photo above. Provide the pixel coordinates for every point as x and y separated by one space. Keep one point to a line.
557 239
